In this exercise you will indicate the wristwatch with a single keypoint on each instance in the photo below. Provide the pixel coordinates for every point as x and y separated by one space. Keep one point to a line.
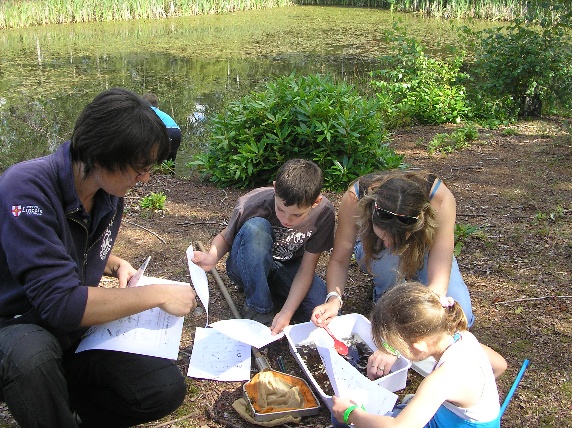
337 295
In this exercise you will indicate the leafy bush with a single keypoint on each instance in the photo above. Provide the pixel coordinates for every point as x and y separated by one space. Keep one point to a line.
456 140
462 232
307 117
414 88
528 62
153 201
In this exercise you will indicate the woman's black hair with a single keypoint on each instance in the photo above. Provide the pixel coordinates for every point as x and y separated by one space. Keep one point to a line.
118 129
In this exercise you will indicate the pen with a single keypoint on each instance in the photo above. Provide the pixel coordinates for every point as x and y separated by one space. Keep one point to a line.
135 278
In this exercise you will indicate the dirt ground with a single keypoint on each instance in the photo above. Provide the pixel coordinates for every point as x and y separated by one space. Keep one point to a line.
515 185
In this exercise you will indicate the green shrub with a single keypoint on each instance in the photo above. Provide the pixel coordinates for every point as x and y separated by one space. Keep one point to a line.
153 201
462 232
307 117
413 88
527 63
456 140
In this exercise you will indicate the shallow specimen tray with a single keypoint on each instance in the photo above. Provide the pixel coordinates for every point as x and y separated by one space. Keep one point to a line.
343 326
311 403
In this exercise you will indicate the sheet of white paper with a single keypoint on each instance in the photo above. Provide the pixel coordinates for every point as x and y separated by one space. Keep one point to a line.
219 357
247 331
348 382
199 280
153 332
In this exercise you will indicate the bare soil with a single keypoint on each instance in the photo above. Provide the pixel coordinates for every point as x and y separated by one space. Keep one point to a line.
515 185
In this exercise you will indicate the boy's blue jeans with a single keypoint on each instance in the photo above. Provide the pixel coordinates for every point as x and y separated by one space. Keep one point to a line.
42 385
266 281
384 271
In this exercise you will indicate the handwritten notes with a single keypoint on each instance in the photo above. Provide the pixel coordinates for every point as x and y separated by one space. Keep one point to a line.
153 332
219 357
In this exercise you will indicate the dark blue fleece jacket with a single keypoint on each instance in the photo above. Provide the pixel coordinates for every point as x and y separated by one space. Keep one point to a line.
50 248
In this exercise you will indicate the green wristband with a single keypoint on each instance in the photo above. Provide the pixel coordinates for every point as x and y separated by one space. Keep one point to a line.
390 349
349 410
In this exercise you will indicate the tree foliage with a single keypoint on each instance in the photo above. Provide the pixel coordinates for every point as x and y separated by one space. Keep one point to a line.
528 61
414 88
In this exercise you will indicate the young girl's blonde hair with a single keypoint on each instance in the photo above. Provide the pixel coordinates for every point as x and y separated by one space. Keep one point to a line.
411 312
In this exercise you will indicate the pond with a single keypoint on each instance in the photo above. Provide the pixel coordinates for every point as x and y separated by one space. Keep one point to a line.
47 74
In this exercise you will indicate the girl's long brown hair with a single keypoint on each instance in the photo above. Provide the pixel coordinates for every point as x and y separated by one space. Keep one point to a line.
402 193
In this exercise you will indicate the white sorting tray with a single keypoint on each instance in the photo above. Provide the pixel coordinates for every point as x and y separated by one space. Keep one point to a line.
343 326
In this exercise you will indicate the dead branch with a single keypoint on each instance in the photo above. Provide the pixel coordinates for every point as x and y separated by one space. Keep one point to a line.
525 299
195 223
145 229
164 424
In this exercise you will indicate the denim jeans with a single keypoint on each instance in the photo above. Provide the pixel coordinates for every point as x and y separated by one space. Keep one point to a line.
384 271
42 385
266 282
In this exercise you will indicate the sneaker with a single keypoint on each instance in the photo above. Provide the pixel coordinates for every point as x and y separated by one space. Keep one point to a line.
252 314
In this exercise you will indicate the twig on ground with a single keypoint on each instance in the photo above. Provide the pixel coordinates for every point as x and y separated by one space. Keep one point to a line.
145 229
174 421
524 299
194 223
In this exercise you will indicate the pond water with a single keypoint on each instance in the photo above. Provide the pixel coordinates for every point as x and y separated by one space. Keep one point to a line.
189 63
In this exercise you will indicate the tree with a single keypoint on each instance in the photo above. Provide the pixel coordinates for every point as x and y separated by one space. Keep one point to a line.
529 60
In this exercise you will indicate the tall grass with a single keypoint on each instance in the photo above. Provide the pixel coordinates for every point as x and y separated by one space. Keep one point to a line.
26 13
505 10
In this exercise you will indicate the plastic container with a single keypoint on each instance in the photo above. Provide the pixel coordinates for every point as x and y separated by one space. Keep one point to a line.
311 403
424 367
343 326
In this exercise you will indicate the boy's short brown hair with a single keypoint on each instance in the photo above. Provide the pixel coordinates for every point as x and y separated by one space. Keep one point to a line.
299 182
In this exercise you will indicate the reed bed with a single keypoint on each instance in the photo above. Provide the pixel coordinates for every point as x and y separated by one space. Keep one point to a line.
498 10
27 13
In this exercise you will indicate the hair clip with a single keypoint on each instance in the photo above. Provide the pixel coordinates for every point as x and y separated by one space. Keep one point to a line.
447 301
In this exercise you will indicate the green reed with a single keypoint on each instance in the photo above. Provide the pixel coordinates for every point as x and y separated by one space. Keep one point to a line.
505 10
26 13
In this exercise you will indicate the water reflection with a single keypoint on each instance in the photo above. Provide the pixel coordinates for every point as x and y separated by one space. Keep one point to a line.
50 73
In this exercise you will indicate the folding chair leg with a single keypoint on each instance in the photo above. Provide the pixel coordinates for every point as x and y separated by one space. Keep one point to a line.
513 387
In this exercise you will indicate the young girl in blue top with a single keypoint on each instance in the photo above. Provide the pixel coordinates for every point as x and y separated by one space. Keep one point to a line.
414 321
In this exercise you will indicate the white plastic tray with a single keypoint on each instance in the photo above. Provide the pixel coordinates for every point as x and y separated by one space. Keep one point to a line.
343 326
424 367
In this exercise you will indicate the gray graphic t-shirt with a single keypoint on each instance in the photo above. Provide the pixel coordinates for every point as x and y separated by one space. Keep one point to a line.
315 234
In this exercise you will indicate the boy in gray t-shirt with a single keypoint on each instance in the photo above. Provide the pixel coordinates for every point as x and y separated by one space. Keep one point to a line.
274 238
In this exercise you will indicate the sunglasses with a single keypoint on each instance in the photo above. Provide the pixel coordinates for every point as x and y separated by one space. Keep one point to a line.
383 214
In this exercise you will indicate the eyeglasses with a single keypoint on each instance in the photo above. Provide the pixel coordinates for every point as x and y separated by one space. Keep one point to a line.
388 215
142 172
